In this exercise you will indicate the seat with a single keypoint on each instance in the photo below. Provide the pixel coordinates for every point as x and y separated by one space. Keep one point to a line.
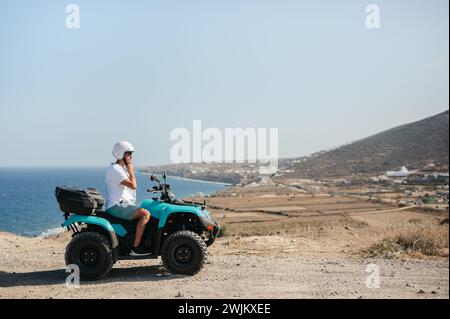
115 220
129 225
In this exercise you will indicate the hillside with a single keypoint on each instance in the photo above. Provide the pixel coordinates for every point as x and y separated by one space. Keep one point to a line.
412 145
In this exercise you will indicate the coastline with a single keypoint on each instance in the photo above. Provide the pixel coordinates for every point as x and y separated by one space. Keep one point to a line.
48 233
51 226
56 232
202 181
193 179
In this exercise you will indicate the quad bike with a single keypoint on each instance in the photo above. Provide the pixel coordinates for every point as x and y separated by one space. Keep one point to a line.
178 231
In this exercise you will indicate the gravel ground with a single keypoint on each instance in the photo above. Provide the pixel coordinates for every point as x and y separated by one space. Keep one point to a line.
34 268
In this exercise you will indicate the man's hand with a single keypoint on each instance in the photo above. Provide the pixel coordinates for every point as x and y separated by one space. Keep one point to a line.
129 166
131 181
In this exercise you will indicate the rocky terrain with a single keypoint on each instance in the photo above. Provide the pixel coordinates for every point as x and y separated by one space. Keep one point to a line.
278 242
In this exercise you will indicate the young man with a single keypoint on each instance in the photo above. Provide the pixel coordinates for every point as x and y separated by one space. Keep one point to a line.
121 188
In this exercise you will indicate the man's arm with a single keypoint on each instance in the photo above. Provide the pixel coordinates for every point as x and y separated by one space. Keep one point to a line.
131 180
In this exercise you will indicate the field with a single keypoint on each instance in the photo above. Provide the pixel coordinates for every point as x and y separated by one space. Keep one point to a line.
278 242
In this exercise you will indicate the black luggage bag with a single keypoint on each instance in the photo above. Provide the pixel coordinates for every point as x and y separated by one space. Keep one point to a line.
82 201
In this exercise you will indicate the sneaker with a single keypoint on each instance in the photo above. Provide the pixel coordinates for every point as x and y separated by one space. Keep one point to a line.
139 251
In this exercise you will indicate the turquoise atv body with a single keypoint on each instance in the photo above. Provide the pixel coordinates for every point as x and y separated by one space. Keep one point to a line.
178 231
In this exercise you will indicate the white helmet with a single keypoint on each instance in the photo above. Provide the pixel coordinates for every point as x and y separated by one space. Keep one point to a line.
120 148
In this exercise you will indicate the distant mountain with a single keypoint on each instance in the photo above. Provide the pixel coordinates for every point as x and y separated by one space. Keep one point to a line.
412 145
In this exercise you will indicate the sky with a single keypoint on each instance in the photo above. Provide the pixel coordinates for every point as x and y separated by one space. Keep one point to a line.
136 70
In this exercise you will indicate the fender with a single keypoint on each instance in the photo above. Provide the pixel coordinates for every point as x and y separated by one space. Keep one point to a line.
162 210
111 229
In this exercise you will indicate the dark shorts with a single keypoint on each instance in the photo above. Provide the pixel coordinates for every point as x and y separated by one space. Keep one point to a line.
123 211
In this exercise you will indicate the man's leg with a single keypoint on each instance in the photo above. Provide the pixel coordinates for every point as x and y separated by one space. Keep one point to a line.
144 216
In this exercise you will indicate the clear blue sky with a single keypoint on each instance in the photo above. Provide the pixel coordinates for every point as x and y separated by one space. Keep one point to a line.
137 69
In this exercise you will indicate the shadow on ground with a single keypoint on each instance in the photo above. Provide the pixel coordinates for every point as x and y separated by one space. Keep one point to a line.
58 276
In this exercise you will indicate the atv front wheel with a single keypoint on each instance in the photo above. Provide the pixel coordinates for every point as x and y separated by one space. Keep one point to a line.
92 253
184 252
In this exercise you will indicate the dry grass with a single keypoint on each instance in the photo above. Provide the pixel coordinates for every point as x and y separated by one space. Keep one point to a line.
313 227
414 240
339 224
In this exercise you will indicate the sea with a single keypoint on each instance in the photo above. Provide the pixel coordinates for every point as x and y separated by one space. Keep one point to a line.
28 206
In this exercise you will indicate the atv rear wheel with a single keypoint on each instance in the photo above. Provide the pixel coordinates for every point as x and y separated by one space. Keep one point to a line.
92 253
184 252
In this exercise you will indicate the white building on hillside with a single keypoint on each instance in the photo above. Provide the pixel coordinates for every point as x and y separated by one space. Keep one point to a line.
403 172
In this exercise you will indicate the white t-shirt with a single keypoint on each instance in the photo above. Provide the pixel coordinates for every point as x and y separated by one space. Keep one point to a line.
115 191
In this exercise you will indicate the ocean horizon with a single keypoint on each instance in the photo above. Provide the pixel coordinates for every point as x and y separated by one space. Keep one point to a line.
28 206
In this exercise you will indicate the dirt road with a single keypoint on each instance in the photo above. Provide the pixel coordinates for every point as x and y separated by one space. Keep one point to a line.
251 267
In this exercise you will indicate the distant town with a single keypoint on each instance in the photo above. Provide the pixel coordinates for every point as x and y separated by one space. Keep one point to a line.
427 187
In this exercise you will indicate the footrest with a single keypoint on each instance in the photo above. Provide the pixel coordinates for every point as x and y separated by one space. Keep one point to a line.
128 257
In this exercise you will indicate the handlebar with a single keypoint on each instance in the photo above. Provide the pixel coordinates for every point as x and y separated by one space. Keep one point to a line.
153 178
167 196
162 188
